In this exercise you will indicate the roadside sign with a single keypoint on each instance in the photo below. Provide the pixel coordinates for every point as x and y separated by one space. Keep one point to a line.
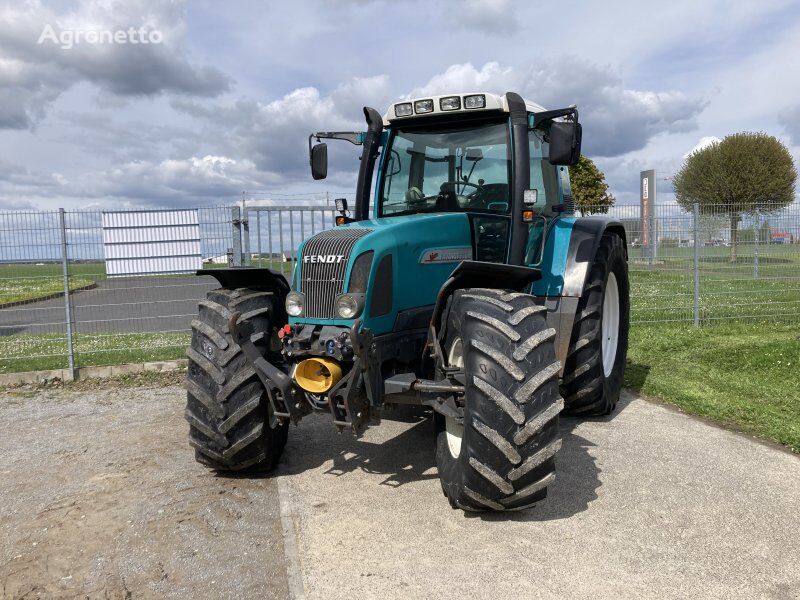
647 195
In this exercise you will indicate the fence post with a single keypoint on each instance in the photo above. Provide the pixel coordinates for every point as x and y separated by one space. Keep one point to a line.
258 234
62 225
236 223
246 235
291 234
755 250
696 216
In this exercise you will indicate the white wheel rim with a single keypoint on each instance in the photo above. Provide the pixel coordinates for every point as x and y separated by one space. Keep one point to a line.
453 429
610 327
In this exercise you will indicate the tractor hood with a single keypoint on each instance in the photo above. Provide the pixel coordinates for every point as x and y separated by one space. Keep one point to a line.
411 257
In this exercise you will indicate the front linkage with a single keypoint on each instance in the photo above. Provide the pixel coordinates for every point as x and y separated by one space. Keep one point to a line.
353 400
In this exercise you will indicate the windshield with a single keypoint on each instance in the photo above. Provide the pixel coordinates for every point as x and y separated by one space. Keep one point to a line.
447 169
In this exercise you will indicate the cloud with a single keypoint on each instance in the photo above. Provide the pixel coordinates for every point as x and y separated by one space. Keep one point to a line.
196 179
274 135
487 16
789 119
704 142
616 119
465 77
32 74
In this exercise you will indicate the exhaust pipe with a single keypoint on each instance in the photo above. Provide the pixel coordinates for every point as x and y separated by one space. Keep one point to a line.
317 375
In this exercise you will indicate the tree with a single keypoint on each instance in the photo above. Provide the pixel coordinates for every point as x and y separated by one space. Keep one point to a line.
743 173
589 188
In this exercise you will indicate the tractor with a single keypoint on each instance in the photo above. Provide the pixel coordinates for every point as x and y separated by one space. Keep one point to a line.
466 285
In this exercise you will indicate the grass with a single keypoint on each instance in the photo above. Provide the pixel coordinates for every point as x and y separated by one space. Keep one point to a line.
727 290
743 375
26 282
48 351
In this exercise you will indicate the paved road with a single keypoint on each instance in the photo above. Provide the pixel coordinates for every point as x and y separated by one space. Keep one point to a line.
131 304
100 495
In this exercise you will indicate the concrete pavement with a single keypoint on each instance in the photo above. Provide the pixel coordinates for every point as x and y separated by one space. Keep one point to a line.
647 504
101 497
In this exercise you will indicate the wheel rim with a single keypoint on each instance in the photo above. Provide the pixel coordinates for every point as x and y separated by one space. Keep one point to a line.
453 429
610 326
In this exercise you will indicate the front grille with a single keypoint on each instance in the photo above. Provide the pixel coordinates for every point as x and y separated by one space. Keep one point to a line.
322 281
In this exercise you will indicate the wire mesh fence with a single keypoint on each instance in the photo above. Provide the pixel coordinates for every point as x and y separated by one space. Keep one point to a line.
709 263
698 265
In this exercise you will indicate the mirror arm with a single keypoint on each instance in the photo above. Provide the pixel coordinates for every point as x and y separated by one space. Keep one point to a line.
548 115
354 137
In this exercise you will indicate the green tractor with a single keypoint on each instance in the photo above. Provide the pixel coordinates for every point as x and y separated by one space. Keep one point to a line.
467 285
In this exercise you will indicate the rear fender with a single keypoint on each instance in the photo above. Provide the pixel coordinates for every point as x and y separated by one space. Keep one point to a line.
584 241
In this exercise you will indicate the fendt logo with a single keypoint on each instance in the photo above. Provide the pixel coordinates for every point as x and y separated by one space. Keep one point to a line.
324 258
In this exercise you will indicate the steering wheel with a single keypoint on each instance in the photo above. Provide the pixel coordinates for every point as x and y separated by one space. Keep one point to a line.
454 184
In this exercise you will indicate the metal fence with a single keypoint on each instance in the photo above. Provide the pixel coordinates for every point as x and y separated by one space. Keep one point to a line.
695 266
705 264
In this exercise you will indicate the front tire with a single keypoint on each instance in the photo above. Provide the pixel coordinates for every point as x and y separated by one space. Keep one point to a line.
502 456
231 423
595 364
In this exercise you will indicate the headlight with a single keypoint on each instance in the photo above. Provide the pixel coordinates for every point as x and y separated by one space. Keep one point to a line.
294 304
346 306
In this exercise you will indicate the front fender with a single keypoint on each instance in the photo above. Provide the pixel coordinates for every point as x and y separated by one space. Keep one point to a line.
472 273
250 277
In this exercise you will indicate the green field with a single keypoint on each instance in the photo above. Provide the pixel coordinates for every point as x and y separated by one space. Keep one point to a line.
728 290
743 375
26 282
45 352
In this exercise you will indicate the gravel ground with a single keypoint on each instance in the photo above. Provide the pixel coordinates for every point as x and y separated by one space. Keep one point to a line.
101 498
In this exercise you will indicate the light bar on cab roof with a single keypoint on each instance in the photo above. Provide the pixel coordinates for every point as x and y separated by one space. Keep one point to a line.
444 104
423 106
475 101
450 103
403 109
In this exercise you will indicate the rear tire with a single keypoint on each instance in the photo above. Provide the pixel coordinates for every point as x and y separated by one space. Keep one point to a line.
231 423
502 457
595 364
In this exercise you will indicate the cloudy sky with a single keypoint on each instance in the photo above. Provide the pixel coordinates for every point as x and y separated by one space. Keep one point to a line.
222 97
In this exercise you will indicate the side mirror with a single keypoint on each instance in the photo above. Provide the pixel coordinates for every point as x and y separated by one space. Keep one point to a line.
565 142
319 161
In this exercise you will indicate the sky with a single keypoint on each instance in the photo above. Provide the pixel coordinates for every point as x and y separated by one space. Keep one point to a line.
207 99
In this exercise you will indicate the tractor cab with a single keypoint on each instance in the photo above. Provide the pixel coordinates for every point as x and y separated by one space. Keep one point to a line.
468 154
469 177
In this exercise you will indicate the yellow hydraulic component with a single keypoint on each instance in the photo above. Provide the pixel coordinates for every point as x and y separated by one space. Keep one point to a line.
317 375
